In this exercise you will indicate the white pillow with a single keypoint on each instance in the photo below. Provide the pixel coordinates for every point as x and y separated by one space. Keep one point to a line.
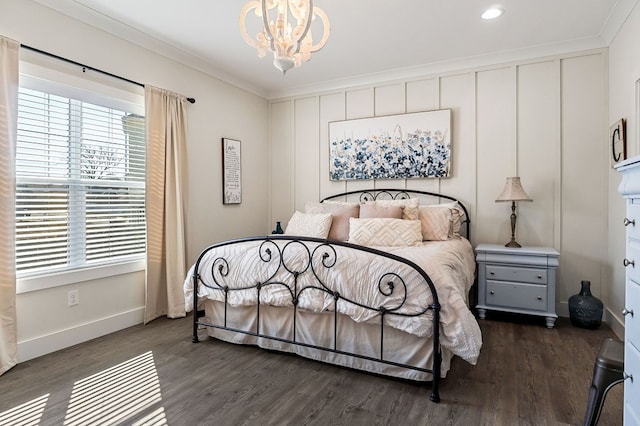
384 232
309 225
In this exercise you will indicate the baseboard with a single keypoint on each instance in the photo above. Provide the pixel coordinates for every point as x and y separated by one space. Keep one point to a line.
616 324
49 343
562 309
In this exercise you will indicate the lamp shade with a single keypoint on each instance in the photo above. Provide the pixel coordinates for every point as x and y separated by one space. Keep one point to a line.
513 191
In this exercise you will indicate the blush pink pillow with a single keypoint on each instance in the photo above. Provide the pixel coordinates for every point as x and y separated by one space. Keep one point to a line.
372 211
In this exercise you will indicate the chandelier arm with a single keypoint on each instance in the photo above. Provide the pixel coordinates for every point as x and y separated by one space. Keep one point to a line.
267 28
326 29
243 23
307 26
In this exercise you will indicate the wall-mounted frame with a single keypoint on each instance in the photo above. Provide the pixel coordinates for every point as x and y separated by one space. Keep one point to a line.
402 146
231 172
618 141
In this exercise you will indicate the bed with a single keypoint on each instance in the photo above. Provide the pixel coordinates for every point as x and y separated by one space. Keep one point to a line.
355 281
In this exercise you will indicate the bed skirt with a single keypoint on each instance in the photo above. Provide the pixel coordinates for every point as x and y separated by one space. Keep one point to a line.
317 329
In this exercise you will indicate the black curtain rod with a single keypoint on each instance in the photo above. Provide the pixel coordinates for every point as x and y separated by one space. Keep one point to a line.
87 67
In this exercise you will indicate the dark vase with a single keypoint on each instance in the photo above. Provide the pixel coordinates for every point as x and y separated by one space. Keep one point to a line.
585 310
278 229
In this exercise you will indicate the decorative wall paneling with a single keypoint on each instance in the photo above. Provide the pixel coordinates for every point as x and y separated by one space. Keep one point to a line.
282 166
543 120
585 163
306 151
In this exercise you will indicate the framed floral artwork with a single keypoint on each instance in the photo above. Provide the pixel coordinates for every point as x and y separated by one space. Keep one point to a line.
403 146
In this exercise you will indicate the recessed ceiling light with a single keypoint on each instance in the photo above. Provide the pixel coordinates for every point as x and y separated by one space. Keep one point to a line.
492 13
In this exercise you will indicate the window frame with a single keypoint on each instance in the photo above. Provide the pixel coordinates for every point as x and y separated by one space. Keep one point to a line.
64 81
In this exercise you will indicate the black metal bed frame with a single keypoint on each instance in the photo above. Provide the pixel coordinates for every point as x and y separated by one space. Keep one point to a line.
322 254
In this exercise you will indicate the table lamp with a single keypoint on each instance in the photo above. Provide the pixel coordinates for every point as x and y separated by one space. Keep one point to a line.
513 192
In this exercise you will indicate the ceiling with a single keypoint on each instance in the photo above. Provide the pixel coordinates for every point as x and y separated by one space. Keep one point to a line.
371 40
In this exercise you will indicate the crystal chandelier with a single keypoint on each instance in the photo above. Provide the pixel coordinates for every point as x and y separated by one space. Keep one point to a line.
290 44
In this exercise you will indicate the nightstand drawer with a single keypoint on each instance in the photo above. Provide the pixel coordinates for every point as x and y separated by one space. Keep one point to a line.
517 295
515 274
632 322
632 222
632 259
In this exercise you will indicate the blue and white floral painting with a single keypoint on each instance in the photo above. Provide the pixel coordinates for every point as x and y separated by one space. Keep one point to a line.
404 146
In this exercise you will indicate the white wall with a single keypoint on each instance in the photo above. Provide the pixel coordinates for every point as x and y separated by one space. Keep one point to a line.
624 72
221 110
544 120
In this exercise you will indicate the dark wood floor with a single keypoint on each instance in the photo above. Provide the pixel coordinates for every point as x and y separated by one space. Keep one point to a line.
154 375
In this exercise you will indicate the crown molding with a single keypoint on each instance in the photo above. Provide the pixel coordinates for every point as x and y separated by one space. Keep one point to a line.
445 67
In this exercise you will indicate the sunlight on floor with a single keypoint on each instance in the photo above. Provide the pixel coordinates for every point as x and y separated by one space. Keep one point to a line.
116 394
28 413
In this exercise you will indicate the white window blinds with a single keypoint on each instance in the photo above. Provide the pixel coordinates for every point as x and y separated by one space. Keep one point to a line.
80 181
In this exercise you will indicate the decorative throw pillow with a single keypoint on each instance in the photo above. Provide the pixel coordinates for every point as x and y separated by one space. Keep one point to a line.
309 225
440 222
409 206
372 210
457 216
384 232
340 212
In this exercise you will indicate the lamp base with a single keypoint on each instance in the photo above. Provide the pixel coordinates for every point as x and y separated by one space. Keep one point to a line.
513 243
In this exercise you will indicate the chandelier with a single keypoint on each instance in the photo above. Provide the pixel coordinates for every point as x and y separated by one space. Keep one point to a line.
290 44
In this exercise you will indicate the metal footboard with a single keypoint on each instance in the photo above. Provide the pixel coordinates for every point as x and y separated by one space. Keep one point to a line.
319 257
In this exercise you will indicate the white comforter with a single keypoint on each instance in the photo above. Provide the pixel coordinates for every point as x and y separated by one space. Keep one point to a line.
450 264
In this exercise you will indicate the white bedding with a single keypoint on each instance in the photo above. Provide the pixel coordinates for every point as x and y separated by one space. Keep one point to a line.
450 264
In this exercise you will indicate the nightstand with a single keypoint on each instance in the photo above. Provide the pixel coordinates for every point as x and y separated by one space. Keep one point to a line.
520 280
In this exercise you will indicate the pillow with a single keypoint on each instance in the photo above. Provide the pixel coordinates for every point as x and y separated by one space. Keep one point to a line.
384 232
340 214
440 222
457 216
372 210
309 225
341 203
409 205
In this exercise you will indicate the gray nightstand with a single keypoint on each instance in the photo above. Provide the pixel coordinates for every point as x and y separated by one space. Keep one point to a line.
520 280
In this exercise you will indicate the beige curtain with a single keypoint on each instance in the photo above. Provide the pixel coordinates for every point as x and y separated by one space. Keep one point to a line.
9 50
166 256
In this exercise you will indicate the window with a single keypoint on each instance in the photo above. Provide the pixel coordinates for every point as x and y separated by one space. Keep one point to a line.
80 182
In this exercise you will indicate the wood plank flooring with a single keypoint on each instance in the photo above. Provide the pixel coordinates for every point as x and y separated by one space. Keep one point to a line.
153 375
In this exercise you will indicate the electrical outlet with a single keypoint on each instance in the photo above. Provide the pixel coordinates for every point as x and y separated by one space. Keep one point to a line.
73 297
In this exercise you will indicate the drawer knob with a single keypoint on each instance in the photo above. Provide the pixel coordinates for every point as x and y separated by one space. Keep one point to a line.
628 222
539 277
492 292
492 273
539 297
626 312
626 376
627 262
